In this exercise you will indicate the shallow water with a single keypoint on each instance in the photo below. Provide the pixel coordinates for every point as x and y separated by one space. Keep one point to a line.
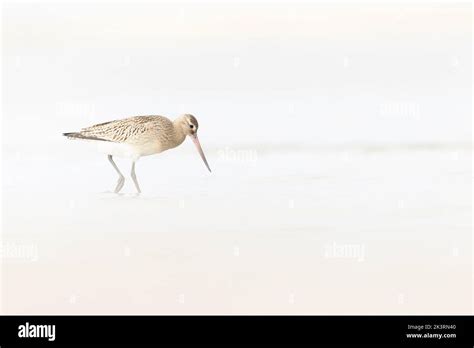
316 231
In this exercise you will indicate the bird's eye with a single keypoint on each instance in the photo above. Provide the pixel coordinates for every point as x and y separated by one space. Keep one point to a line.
191 126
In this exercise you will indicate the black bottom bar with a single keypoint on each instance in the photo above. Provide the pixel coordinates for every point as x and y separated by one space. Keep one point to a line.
452 331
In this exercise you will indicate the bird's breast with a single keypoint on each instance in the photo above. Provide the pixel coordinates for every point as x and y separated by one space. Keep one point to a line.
151 148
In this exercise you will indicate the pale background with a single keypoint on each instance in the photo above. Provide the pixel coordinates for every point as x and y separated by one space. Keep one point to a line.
339 138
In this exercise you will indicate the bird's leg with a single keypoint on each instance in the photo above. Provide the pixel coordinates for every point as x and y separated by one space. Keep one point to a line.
121 179
134 177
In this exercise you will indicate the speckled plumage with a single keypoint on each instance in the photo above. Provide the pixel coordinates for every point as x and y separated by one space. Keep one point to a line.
142 135
131 130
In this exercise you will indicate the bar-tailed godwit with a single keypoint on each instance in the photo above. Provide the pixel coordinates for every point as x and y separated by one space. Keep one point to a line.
139 136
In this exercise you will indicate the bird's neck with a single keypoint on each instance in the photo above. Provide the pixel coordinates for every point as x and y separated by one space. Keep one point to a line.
179 135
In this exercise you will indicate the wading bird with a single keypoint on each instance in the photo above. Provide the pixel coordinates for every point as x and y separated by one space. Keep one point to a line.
139 136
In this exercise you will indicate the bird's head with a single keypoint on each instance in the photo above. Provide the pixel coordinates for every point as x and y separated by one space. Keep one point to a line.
189 125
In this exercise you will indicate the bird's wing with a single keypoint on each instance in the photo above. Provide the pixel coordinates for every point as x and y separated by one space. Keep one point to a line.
120 130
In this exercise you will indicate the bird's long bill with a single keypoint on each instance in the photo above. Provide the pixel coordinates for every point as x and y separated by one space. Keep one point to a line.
199 148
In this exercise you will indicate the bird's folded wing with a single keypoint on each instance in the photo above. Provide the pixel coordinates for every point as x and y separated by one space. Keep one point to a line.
120 130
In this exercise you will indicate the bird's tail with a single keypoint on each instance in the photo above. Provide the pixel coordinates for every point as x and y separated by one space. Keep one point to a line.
72 135
76 135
